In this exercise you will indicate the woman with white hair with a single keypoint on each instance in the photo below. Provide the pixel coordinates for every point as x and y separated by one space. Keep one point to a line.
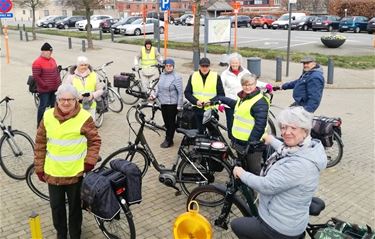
87 84
231 78
287 182
66 146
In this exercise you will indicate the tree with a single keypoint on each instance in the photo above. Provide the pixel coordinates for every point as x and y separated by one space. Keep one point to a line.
33 5
197 17
88 6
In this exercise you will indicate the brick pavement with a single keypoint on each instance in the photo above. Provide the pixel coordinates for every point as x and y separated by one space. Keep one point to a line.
348 188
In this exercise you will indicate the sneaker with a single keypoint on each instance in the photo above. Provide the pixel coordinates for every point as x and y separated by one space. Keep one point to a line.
166 144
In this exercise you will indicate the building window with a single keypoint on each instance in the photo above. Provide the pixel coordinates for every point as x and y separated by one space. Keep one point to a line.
277 2
258 2
64 12
46 13
24 12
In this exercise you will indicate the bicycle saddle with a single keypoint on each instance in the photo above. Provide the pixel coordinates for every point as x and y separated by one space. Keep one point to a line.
190 133
317 205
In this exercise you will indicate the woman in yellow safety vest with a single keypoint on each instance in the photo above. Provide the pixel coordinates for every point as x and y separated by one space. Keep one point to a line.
87 84
249 120
67 145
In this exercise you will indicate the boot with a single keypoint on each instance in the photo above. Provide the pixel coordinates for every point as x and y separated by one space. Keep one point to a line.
166 144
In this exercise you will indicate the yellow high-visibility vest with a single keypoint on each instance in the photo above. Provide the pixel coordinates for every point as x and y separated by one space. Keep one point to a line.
243 121
204 92
148 59
66 147
88 85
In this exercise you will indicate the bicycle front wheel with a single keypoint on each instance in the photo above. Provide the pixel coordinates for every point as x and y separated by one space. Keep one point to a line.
121 226
128 98
212 212
114 101
153 115
33 182
212 168
335 152
137 156
16 154
99 118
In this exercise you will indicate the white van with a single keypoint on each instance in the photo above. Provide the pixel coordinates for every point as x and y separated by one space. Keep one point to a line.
283 21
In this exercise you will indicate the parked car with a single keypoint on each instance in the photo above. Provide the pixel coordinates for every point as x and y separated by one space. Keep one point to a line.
283 21
161 16
371 26
242 21
304 23
264 21
181 20
95 21
353 23
190 20
106 24
51 22
138 26
328 23
69 22
128 20
38 23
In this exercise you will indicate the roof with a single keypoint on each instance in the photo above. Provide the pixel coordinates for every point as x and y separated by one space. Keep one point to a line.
220 6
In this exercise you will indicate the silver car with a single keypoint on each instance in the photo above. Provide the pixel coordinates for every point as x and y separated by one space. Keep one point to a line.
138 27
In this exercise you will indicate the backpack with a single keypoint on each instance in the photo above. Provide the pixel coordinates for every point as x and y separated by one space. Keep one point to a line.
323 130
32 84
186 118
344 230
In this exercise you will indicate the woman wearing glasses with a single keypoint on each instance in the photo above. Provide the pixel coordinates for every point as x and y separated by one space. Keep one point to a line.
87 84
67 145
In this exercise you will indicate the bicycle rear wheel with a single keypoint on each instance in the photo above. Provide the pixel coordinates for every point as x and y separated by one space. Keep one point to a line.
36 99
153 115
16 154
121 226
128 98
33 182
215 170
114 101
335 152
99 118
216 193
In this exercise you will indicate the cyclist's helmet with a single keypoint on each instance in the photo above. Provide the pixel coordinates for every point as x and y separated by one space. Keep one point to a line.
148 42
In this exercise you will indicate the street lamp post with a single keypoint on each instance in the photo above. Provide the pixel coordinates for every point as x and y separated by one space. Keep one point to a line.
289 32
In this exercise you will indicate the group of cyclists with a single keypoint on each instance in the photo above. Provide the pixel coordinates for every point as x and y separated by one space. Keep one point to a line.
68 145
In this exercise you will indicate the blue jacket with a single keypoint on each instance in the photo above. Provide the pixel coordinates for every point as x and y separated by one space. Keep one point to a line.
288 187
169 89
308 89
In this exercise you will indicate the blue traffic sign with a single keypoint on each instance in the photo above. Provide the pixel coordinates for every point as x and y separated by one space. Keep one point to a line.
165 5
6 15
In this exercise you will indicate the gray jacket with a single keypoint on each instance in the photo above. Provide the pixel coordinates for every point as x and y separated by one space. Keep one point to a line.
288 187
169 89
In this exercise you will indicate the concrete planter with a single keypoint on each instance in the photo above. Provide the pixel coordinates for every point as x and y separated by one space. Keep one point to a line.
332 43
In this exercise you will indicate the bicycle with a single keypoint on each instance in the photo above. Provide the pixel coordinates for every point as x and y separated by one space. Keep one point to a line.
197 163
220 204
134 92
63 73
16 147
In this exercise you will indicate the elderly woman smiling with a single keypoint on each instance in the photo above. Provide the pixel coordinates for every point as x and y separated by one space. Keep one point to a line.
287 182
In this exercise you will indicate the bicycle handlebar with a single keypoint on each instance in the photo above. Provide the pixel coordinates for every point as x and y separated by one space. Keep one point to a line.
159 66
6 99
102 66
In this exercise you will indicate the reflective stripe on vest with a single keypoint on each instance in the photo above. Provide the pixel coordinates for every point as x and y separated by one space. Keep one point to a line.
243 121
204 92
148 59
66 147
90 85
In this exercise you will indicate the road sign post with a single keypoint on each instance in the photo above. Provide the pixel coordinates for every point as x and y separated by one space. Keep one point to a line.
236 6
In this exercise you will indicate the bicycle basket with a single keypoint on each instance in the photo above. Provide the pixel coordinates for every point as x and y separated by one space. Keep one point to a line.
339 229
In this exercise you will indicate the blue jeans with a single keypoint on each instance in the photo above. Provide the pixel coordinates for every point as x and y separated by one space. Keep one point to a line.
47 99
229 115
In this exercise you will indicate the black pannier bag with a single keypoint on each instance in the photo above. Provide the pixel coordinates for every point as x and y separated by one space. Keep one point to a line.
98 192
32 84
133 183
123 80
323 130
186 118
102 103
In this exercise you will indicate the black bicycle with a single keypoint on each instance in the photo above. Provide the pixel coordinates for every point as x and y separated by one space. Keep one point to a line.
16 147
200 160
134 92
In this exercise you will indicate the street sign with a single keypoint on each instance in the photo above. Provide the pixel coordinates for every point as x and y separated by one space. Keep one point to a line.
6 15
5 6
292 1
165 5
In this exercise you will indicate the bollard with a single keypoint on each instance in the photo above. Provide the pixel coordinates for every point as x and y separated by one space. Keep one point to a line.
330 71
26 36
100 34
279 62
24 27
70 42
18 26
35 228
83 46
21 36
253 65
112 35
196 58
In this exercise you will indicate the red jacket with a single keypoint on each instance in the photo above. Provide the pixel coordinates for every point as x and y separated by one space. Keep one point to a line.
46 75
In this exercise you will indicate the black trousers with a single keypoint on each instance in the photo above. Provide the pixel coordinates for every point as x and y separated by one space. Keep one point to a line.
256 228
169 113
198 119
57 202
45 100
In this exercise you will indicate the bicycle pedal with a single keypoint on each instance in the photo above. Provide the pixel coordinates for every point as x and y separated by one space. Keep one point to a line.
178 193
